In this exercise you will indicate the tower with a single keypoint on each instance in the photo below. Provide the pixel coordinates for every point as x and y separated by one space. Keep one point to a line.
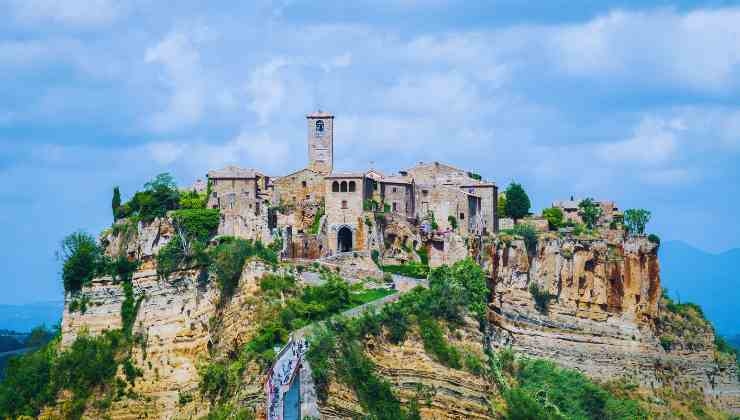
320 142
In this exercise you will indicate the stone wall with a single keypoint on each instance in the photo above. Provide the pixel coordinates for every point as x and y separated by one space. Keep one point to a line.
399 197
299 186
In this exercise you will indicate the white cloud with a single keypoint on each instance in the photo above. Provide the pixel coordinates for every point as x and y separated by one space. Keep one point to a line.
337 62
178 54
266 89
69 12
693 50
654 142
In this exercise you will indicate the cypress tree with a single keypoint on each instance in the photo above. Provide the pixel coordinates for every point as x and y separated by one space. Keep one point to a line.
116 203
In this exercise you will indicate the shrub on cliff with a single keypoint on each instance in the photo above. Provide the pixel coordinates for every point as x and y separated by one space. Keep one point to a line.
159 196
82 260
528 233
554 217
589 211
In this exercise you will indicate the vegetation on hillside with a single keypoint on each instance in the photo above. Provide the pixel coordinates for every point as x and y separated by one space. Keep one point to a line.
517 201
284 307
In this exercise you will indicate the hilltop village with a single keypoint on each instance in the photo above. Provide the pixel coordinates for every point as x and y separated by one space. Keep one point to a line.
319 213
422 294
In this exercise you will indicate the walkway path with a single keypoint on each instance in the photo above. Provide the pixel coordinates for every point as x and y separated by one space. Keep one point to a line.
290 361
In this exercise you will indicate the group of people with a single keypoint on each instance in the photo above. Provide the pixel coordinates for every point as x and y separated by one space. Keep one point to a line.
282 373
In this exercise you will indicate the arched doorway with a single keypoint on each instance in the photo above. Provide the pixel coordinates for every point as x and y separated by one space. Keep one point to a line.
344 239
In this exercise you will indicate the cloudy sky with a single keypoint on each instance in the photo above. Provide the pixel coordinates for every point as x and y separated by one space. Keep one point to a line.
632 101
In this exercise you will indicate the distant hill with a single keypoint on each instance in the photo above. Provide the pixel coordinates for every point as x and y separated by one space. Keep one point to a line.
23 318
710 280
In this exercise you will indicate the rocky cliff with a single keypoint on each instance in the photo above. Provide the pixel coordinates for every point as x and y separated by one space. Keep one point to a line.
595 305
589 304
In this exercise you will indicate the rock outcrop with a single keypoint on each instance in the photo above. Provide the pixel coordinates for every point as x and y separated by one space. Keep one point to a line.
598 312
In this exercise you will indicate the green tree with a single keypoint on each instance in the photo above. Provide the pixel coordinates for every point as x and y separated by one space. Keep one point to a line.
517 201
501 205
589 212
554 217
635 220
81 258
116 202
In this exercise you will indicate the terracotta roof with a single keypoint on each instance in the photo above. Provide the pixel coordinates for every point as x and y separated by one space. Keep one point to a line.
233 172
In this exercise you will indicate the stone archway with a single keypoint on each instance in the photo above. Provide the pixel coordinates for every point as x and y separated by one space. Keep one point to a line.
344 239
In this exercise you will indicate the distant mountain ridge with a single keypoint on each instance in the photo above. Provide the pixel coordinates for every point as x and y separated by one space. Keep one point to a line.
23 318
710 280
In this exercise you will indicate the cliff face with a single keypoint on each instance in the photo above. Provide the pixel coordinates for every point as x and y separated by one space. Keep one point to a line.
602 315
179 323
596 307
442 392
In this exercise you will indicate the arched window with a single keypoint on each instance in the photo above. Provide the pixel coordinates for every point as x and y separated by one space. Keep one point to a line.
352 186
335 187
319 128
343 186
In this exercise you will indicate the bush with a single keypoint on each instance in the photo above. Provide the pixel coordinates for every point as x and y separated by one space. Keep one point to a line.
590 211
453 222
316 225
654 238
193 200
159 196
569 393
82 260
436 343
554 217
375 255
198 224
529 235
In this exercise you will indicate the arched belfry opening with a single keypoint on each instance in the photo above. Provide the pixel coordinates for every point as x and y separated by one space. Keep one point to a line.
344 239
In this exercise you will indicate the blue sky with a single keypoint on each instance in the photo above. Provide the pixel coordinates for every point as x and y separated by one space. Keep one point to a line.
632 101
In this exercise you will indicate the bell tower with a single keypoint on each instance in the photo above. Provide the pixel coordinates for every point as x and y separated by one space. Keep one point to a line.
320 142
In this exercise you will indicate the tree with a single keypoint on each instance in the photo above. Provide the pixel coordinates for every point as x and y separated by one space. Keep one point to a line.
635 220
517 201
501 205
554 217
589 212
116 202
82 257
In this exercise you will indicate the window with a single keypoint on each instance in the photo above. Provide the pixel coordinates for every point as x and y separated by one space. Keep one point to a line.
424 192
462 216
303 184
352 186
308 196
395 207
319 128
375 185
344 204
335 186
343 186
393 189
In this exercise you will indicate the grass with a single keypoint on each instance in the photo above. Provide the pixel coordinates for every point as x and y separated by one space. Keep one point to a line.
369 295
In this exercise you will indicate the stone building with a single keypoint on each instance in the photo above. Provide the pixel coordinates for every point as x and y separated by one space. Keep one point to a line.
436 173
571 212
320 142
397 193
445 202
241 196
345 195
305 184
